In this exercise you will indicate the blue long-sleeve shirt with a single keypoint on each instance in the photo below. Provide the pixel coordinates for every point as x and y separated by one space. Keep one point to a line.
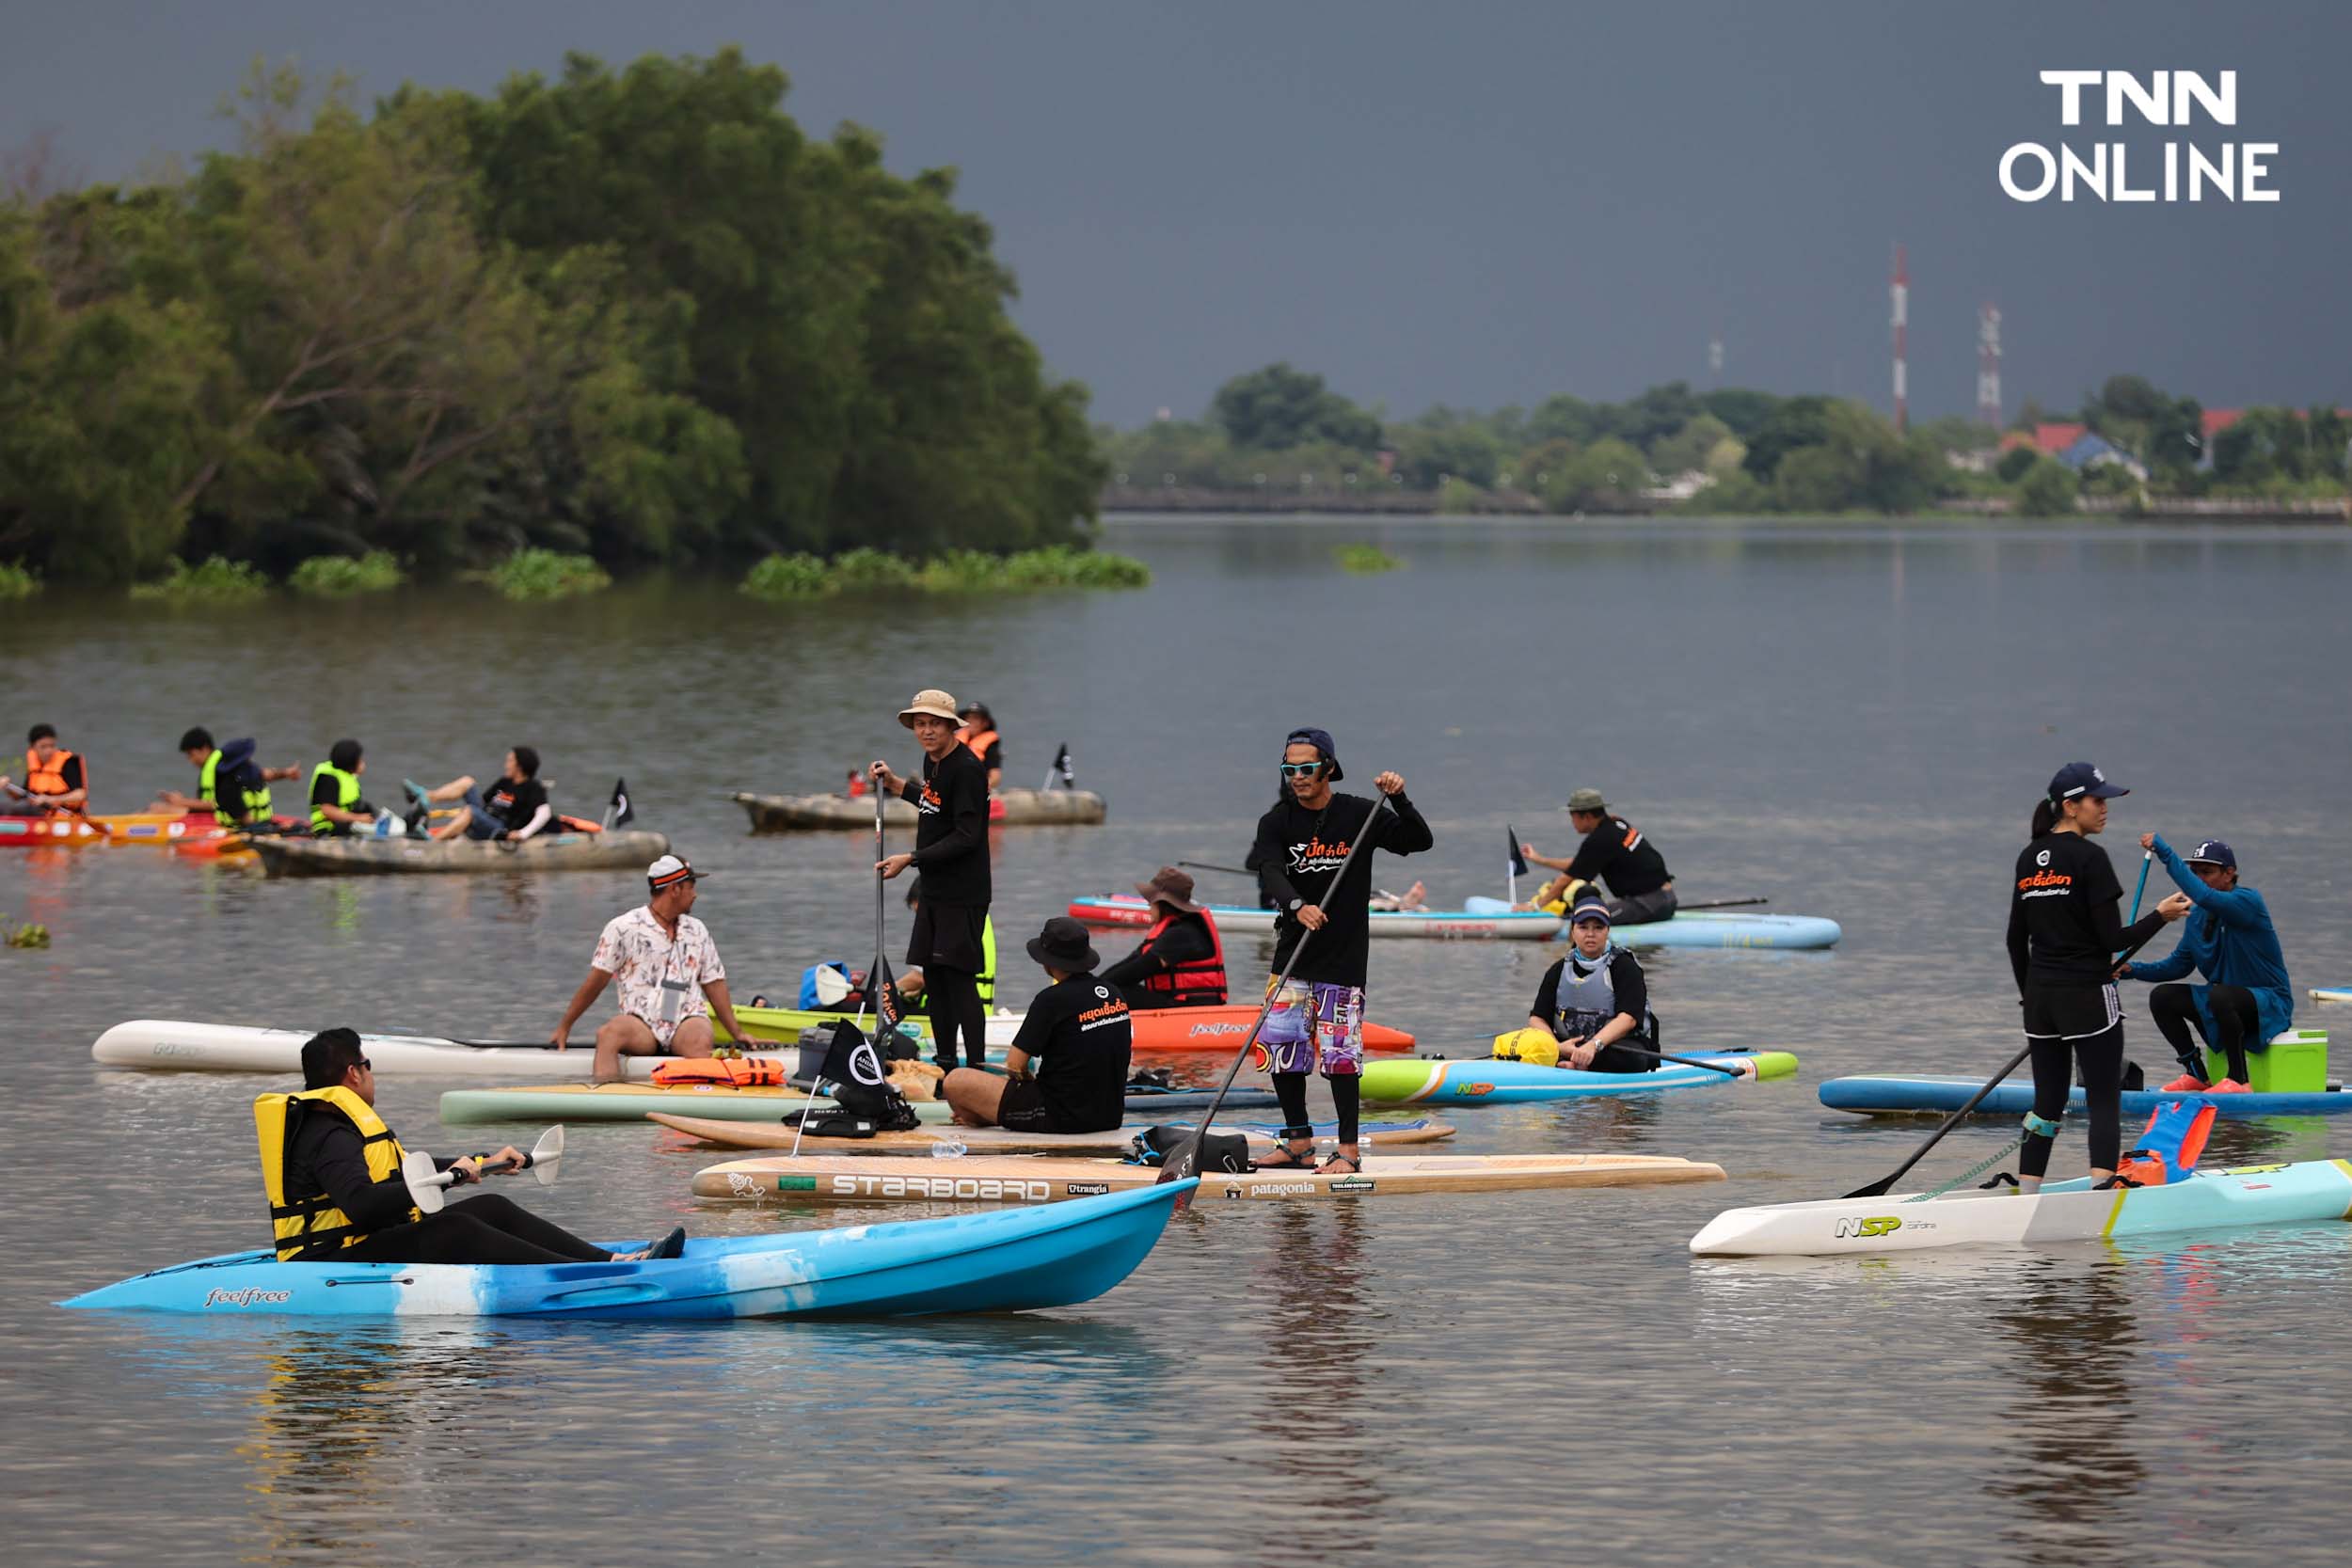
2228 939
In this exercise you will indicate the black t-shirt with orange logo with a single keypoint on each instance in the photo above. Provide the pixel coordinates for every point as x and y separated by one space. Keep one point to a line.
1080 1037
2063 928
1297 855
1617 853
950 801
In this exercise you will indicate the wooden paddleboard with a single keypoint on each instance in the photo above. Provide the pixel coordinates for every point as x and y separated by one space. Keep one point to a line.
1002 1140
847 1178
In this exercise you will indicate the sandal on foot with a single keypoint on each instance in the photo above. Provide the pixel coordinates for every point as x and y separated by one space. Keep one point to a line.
1331 1166
1286 1158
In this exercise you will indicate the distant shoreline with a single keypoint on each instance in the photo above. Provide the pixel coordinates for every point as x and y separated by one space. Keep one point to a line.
1131 502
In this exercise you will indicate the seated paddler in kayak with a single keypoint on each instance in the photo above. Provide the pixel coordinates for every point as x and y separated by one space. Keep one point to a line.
55 779
514 808
1595 1002
1067 1070
332 1170
2245 1002
1614 851
229 785
979 733
670 976
1180 961
336 810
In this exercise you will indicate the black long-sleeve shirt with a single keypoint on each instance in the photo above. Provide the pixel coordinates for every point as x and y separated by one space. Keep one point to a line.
1296 855
328 1155
1617 853
2063 928
951 829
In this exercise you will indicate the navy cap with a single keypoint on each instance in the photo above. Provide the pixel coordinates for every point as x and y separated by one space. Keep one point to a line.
2080 780
1590 908
2212 852
1321 742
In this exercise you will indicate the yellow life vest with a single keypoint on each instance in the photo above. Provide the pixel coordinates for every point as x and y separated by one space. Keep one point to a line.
346 798
303 1221
986 981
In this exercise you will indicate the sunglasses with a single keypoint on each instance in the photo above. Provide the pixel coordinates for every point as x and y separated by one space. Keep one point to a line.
1292 769
365 1066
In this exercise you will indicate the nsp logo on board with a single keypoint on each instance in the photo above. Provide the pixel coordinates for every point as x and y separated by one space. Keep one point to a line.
2168 171
1850 1226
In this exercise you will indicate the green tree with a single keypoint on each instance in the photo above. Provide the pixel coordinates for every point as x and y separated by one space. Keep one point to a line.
1689 446
1601 478
2016 461
1744 410
1798 421
2047 490
1426 458
1818 478
1277 408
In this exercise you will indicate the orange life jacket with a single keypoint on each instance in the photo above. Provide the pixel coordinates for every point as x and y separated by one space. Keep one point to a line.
48 778
728 1072
980 743
1195 982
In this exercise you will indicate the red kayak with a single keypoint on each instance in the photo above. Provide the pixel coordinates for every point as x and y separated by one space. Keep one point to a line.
1222 1029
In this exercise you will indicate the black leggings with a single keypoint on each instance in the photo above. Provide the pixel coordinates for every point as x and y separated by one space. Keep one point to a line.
2101 1058
1612 1059
484 1229
2234 1016
1346 1097
953 1004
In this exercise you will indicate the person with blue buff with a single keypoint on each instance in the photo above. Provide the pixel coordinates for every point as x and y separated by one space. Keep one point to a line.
2245 1002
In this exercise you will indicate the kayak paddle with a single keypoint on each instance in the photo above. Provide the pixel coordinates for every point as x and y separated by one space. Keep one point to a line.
1881 1187
428 1188
1186 1161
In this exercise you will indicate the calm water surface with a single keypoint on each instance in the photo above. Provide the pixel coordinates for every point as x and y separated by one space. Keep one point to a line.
1852 721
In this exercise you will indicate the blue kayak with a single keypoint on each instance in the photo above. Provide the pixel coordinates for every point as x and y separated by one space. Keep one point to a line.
1008 1261
1896 1094
1486 1081
1712 929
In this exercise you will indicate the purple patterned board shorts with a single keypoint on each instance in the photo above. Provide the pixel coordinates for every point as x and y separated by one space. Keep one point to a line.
1336 1037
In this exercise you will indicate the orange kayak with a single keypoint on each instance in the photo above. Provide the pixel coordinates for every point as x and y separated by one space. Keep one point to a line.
138 827
1222 1029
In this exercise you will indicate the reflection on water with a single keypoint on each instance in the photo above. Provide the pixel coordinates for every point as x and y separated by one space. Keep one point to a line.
2066 1482
1312 1412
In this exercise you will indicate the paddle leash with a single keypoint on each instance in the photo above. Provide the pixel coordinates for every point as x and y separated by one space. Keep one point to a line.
1186 1161
1881 1187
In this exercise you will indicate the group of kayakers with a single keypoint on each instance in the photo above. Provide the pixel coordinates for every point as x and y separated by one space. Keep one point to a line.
232 787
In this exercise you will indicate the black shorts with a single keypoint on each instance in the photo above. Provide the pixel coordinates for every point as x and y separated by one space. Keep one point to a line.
1023 1109
2071 1012
948 936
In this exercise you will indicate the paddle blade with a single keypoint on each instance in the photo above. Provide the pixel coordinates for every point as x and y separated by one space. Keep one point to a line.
425 1184
547 1155
831 985
1876 1189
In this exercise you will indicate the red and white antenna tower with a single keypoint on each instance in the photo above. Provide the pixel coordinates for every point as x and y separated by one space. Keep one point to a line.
1989 365
1899 291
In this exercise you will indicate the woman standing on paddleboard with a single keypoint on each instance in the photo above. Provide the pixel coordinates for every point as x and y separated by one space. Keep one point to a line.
2063 936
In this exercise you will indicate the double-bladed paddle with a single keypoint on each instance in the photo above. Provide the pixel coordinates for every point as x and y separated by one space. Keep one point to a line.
1186 1161
428 1189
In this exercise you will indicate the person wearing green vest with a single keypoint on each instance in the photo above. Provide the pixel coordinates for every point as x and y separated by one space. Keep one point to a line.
336 808
229 783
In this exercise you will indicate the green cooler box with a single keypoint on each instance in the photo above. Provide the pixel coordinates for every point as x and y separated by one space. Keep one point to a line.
2294 1063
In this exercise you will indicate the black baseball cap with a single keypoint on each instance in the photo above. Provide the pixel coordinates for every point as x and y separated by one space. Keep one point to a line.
1321 740
2078 781
2212 852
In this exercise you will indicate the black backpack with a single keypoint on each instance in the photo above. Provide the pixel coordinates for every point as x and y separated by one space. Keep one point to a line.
1219 1151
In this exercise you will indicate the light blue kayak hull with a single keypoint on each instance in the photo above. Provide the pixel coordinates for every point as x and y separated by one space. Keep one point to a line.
1006 1260
1890 1094
1731 928
1492 918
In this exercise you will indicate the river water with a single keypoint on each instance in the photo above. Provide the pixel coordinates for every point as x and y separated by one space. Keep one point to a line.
1850 721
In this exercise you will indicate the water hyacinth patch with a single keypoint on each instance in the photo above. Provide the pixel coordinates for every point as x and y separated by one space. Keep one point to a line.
216 581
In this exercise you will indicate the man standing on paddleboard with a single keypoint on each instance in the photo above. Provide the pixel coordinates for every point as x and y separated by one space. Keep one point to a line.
1318 1015
951 850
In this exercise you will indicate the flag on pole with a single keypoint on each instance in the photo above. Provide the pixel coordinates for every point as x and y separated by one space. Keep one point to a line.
1061 769
1516 867
619 812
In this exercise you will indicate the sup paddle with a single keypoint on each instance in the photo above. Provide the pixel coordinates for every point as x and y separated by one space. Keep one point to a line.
428 1189
1186 1161
1228 870
1722 904
1880 1188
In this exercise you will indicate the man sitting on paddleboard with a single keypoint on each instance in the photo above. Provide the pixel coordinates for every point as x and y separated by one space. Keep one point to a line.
1614 851
332 1170
1182 961
2245 1002
1318 1017
667 965
1079 1035
1595 998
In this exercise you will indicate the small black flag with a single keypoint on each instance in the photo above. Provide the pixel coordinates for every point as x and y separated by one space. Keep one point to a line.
1518 861
619 814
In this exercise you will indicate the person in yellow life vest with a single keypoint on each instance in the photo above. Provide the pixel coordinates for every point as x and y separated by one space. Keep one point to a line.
336 808
55 779
229 785
979 733
332 1171
1182 960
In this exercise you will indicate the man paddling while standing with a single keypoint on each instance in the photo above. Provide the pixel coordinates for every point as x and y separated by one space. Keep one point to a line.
1318 1015
951 850
667 966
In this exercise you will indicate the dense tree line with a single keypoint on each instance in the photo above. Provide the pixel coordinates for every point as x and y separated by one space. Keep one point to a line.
636 313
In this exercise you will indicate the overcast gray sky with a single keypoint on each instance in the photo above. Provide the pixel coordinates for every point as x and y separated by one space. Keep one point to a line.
1464 203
